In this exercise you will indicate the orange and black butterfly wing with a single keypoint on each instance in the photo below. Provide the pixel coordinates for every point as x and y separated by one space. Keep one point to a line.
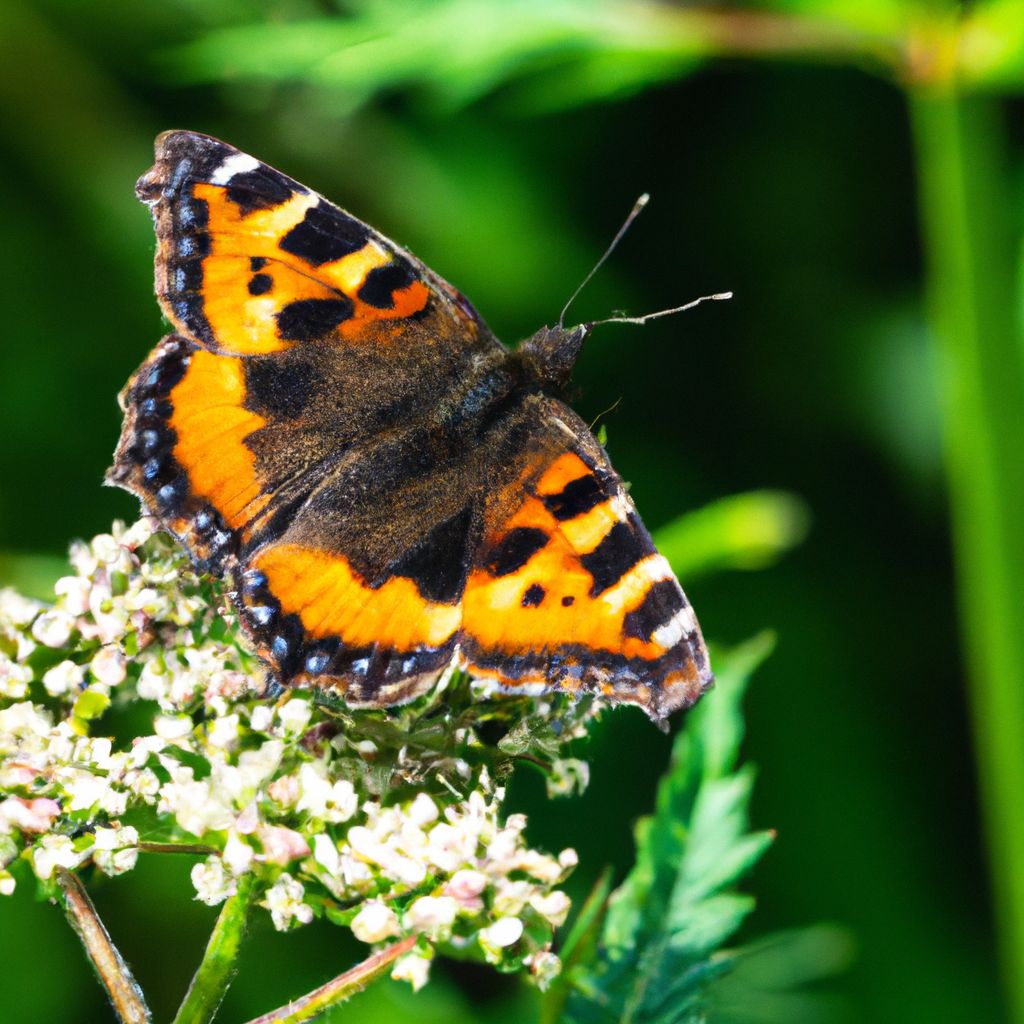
274 414
567 591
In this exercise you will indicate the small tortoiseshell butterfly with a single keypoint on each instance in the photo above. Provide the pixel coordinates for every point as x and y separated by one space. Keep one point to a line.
333 428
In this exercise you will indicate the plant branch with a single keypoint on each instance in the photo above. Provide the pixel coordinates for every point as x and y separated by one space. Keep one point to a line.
213 976
339 989
114 974
193 848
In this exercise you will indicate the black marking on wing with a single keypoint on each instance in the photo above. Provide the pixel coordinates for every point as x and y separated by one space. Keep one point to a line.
578 496
513 551
658 607
260 189
382 282
438 563
309 319
260 284
323 235
534 595
623 546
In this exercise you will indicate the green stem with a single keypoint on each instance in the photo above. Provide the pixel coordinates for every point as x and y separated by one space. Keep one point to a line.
116 977
974 305
213 976
339 989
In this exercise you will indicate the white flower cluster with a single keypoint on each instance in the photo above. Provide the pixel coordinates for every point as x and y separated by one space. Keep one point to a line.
326 814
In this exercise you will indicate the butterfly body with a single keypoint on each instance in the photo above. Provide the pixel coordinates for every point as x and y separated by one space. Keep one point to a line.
333 428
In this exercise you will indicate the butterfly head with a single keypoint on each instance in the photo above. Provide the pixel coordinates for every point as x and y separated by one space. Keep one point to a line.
551 353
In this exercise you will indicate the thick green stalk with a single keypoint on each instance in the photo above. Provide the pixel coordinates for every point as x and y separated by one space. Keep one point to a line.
972 267
211 980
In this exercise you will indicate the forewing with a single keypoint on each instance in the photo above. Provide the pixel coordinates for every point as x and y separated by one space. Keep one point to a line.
250 261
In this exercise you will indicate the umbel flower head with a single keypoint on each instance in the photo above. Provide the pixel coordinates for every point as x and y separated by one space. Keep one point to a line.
386 822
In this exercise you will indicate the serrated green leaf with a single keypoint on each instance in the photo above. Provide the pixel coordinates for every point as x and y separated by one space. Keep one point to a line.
660 945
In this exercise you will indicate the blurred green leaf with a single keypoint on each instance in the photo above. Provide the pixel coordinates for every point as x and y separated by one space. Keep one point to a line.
32 575
744 531
660 942
767 984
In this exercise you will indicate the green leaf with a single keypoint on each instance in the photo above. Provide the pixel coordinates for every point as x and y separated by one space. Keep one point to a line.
744 531
659 950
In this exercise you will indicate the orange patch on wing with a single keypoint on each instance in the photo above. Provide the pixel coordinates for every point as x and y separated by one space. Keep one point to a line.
408 301
586 531
493 610
348 273
561 473
333 600
211 425
243 323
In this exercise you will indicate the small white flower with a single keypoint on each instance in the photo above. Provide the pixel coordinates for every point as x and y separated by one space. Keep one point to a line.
568 775
53 628
108 666
466 886
294 715
321 799
261 719
545 967
414 968
223 731
75 591
212 883
27 815
511 897
54 851
423 810
7 883
553 906
172 727
63 678
85 789
144 783
450 848
540 866
284 791
115 850
325 853
284 901
17 610
24 721
237 855
505 932
154 681
14 678
105 549
434 915
375 922
282 845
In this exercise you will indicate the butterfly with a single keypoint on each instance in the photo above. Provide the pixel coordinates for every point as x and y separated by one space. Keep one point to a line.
333 429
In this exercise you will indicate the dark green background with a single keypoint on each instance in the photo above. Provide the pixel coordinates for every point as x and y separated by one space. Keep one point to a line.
792 186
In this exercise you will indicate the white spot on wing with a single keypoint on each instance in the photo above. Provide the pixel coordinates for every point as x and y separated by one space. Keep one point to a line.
681 624
237 163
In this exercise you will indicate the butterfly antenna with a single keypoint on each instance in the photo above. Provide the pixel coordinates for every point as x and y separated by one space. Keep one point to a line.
717 297
637 207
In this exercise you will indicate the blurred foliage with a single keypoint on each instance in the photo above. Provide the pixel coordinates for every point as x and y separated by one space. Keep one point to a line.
505 154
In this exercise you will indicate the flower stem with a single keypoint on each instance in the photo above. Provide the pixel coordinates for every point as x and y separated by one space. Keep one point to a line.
116 977
213 976
339 989
975 303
